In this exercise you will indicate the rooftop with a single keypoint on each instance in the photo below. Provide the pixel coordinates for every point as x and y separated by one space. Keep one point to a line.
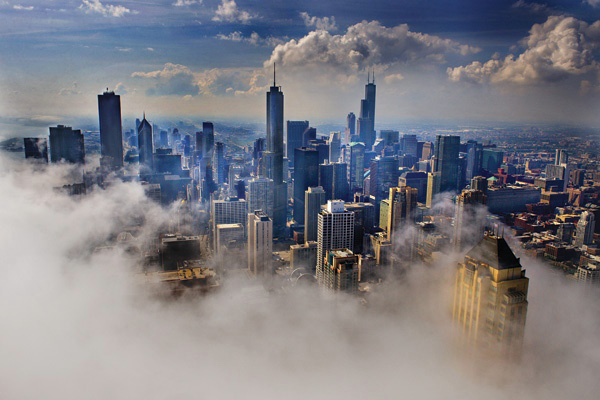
495 252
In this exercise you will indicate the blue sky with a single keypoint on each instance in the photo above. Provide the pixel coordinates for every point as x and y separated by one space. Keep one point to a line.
463 60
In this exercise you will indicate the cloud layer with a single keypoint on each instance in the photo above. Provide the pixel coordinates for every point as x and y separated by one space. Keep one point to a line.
95 6
555 50
228 11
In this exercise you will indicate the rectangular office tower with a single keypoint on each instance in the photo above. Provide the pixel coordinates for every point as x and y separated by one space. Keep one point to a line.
314 198
36 148
295 132
490 298
274 158
446 162
111 135
66 144
335 230
145 147
260 243
305 176
260 195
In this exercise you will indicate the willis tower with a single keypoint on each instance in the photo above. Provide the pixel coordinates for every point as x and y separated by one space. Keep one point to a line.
366 121
274 157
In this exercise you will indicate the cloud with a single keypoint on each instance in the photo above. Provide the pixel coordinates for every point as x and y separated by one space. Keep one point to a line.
121 89
363 45
95 6
391 78
228 11
73 90
124 49
173 79
183 3
324 23
593 3
24 8
254 39
532 7
555 50
150 48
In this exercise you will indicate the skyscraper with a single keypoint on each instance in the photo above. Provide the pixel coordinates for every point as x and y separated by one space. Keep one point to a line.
367 114
341 271
219 163
306 175
490 298
260 243
446 162
408 143
335 144
294 135
474 153
466 224
111 135
66 144
274 165
350 128
384 175
229 211
208 139
260 195
335 230
354 156
145 146
585 229
314 198
36 148
398 209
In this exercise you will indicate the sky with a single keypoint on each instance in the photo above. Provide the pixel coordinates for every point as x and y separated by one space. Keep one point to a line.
514 61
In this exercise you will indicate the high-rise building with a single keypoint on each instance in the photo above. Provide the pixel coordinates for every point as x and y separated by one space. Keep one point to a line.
335 230
303 256
585 229
66 144
260 195
474 153
416 180
433 187
384 175
229 211
36 148
208 139
218 163
294 135
145 147
366 121
335 144
466 223
354 156
306 175
397 210
562 157
446 162
389 137
333 178
260 243
111 134
309 134
341 271
229 236
408 144
490 298
314 198
274 165
491 159
479 183
350 128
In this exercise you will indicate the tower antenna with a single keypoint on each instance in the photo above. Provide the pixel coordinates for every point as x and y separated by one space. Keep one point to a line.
274 74
373 74
368 76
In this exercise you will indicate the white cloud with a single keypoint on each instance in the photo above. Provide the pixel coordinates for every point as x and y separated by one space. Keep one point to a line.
183 3
363 45
73 90
95 6
228 11
23 8
254 39
121 89
593 3
150 48
391 78
560 47
124 49
324 23
173 79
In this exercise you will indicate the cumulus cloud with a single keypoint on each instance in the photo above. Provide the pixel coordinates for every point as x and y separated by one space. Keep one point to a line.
23 8
73 90
532 7
593 3
324 23
254 38
391 78
363 45
560 47
228 11
173 79
95 6
183 3
121 89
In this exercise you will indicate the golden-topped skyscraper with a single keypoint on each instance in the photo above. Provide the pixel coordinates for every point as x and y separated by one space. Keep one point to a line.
490 298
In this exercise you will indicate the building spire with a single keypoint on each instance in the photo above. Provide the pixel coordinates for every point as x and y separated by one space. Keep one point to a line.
274 74
144 114
373 75
368 76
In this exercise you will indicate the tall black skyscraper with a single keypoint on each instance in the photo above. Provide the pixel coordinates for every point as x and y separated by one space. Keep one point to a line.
111 135
306 175
446 161
36 148
208 139
145 147
350 128
274 157
366 121
66 144
295 132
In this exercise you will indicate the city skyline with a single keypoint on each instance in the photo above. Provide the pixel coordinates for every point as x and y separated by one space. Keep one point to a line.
428 69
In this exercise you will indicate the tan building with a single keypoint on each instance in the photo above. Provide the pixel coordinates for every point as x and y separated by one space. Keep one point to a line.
260 243
341 271
490 298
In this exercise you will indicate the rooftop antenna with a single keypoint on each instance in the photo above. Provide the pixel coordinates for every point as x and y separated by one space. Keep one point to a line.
274 74
373 75
144 114
368 76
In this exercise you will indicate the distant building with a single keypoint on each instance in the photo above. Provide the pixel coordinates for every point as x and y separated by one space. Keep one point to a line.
306 175
230 211
466 223
335 144
36 148
350 132
446 163
397 210
111 134
408 144
384 175
66 144
416 180
146 147
585 229
259 195
314 198
335 231
295 132
260 243
366 122
588 274
354 156
511 198
490 298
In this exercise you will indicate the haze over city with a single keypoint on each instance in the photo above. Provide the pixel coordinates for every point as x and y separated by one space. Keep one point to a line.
265 199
